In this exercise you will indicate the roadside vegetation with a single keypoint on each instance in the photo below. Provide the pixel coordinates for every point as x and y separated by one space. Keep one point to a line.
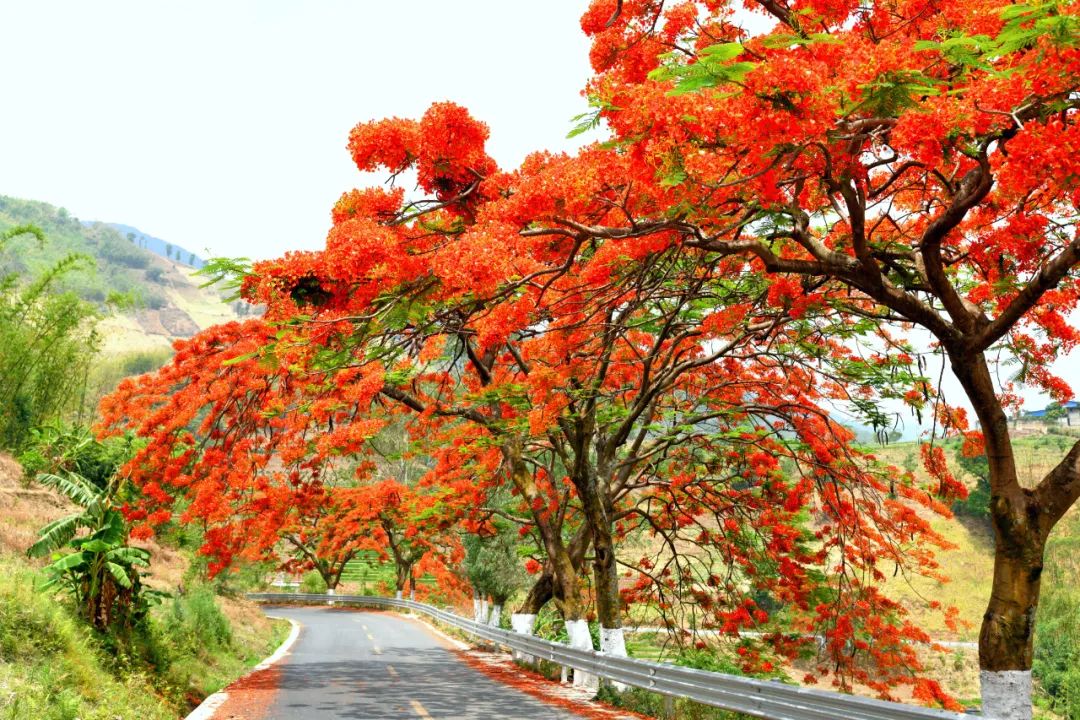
53 666
94 623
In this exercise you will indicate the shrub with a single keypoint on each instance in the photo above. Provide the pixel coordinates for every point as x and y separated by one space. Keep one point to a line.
977 503
48 340
312 582
197 621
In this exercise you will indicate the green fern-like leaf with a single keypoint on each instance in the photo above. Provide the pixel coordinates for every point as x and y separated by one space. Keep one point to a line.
77 489
55 535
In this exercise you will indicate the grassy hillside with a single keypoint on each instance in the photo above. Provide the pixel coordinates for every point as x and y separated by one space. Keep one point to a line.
169 303
52 666
970 565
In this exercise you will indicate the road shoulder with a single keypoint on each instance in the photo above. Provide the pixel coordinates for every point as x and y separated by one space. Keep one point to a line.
253 693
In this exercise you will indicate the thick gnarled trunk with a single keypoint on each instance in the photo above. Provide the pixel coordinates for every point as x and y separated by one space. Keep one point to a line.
1022 520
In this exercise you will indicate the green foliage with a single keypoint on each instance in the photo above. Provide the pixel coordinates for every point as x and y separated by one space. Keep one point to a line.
977 503
590 120
57 447
53 667
116 265
196 621
892 92
492 564
227 273
312 582
47 343
109 369
98 569
714 67
1056 663
1025 25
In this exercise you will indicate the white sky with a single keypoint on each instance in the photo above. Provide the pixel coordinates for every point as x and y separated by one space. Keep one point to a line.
222 125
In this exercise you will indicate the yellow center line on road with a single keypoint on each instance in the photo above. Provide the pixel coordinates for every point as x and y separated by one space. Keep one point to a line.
375 649
419 709
370 636
391 671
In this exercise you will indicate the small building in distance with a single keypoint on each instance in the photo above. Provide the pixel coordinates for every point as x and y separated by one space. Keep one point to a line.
1049 418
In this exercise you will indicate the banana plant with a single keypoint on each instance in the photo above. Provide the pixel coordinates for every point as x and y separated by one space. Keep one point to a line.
96 567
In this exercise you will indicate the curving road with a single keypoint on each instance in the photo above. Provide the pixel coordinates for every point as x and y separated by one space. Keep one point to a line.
375 666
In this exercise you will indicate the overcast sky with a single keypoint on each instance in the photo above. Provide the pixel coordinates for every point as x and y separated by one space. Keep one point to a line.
222 125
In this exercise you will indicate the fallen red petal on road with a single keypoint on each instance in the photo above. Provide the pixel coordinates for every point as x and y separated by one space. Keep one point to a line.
539 687
251 696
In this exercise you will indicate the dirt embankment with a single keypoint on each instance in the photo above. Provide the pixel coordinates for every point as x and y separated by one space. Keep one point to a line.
25 507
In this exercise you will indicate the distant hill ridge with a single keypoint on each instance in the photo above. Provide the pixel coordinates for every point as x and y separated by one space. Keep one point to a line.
170 304
157 246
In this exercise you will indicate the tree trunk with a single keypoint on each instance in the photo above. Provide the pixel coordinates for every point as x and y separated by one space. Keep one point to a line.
1021 526
402 576
598 513
541 591
566 589
1006 638
567 583
605 573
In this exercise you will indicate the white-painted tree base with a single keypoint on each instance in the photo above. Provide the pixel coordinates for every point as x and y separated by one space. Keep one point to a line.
398 595
581 639
613 643
483 612
476 609
1006 694
331 592
496 615
523 624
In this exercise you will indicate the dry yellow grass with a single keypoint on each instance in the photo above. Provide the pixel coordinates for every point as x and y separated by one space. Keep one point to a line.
24 508
123 333
969 566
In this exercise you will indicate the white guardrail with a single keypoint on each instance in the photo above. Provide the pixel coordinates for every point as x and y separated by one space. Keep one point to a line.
762 698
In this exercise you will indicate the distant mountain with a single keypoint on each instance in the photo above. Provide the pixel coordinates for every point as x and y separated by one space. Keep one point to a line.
158 246
169 302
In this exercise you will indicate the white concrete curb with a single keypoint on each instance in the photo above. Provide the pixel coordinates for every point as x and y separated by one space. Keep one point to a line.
209 706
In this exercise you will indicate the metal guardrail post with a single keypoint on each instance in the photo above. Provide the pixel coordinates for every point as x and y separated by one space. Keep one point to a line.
761 698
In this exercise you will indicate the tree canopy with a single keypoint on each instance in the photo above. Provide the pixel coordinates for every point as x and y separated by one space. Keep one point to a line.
651 337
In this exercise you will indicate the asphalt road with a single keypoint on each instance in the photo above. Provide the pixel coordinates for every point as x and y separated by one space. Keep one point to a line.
374 666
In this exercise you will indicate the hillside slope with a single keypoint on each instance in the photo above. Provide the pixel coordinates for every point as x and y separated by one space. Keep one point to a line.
170 303
52 666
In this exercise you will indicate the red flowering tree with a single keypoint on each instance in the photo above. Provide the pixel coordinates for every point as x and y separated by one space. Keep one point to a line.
240 447
411 527
554 358
855 169
315 533
907 164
